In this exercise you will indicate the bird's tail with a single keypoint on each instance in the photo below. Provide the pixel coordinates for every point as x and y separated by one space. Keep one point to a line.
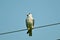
30 31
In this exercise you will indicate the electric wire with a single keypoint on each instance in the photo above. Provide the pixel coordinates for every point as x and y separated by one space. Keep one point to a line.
32 28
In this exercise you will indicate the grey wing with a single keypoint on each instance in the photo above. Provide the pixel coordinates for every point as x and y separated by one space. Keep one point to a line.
33 22
26 23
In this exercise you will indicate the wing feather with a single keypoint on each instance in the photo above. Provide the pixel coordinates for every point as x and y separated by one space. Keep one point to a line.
33 22
26 23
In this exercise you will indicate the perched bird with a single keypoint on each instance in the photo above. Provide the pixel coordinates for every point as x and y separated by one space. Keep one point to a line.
29 23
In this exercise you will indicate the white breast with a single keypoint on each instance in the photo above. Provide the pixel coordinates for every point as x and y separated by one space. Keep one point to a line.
30 19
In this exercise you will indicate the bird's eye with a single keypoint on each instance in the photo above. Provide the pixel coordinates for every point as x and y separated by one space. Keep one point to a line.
27 15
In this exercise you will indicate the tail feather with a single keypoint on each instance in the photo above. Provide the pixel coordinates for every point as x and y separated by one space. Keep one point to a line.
30 32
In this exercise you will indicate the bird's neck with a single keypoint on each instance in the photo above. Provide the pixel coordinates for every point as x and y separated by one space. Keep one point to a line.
30 17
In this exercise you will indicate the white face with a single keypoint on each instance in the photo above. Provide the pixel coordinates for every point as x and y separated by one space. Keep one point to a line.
30 15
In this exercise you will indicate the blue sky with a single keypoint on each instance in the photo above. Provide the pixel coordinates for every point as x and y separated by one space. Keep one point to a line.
13 14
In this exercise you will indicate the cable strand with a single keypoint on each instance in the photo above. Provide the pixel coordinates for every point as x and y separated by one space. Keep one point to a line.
26 29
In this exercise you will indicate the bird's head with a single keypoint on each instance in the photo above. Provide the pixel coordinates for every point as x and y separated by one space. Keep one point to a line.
29 15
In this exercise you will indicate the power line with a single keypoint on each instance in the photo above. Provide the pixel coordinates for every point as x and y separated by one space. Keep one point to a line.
26 29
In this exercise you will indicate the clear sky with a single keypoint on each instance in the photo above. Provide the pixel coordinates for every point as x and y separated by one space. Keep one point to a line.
13 14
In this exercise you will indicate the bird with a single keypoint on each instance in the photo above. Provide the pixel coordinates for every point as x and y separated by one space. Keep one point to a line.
29 23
